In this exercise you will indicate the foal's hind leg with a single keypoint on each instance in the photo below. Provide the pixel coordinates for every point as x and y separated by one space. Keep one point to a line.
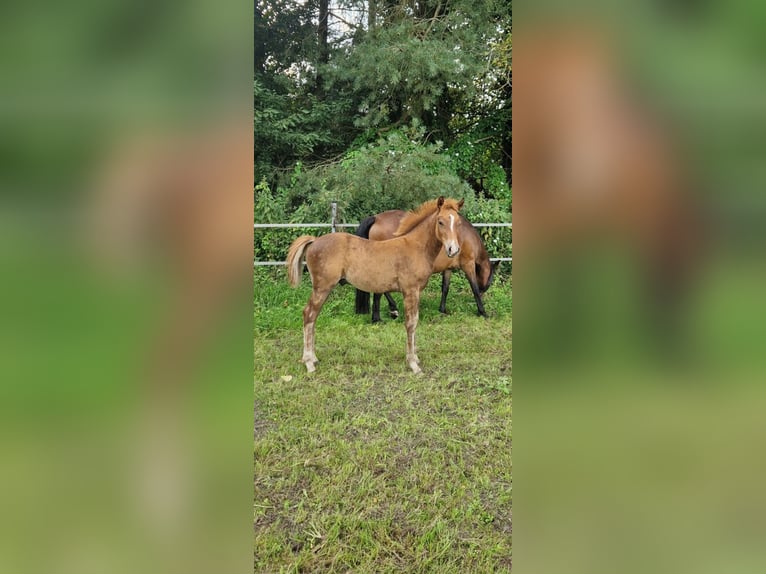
310 312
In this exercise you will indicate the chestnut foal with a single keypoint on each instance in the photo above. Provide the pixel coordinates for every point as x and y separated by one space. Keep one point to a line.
403 264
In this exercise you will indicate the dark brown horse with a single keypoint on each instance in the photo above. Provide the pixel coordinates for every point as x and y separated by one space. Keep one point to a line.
403 264
473 260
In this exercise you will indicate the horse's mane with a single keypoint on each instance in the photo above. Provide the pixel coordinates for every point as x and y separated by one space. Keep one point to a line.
416 216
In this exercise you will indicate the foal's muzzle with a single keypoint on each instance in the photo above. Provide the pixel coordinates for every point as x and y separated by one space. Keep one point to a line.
452 249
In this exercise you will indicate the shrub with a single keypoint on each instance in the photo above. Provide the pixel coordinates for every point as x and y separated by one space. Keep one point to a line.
498 240
396 172
268 207
399 171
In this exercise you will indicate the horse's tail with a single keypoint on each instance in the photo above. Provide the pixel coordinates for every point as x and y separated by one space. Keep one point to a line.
362 303
486 268
295 258
364 227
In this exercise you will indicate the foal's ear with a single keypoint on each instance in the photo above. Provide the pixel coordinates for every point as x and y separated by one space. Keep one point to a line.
440 202
460 204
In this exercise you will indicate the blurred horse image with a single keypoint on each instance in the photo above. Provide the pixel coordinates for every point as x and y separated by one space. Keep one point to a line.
594 169
180 204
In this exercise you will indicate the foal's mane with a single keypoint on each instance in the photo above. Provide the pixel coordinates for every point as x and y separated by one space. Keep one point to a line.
416 216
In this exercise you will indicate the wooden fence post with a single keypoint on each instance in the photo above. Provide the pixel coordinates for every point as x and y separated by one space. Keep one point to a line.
334 215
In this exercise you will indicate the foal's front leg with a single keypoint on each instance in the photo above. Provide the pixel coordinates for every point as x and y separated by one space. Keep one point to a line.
411 303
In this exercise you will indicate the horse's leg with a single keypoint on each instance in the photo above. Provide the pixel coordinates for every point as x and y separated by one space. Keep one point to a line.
470 273
376 307
310 313
446 276
411 303
392 310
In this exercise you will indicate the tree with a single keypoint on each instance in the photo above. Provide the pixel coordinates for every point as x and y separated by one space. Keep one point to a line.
337 74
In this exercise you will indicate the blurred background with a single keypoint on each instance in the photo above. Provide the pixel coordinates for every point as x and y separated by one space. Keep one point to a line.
639 277
126 331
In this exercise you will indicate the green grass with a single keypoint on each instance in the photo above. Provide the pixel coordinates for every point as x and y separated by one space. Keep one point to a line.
365 467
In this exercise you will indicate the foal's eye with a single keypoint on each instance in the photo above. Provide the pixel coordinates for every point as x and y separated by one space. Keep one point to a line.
441 223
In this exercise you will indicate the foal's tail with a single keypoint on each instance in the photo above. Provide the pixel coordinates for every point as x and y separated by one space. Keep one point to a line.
362 303
295 258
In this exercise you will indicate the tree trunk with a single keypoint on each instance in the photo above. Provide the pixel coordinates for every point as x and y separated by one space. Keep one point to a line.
324 54
322 31
372 7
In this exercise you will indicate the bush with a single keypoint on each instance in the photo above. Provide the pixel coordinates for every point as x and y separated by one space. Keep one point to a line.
396 172
399 171
268 207
477 163
498 240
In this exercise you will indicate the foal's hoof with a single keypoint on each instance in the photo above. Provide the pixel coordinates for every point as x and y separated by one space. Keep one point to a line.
415 368
310 367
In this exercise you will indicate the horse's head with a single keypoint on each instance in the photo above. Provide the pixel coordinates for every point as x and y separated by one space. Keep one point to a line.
448 222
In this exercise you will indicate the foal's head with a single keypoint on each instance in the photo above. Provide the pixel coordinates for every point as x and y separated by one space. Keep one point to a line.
448 222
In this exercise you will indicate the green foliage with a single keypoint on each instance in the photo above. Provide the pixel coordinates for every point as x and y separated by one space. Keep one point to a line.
478 164
399 171
272 244
287 128
283 31
497 240
422 63
400 77
400 113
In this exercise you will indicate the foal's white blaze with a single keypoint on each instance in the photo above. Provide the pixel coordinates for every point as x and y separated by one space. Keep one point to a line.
452 246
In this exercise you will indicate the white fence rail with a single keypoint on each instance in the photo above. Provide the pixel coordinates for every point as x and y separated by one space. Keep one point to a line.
334 226
297 225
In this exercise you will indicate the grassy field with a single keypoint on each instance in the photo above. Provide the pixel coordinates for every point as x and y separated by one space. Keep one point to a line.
365 467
